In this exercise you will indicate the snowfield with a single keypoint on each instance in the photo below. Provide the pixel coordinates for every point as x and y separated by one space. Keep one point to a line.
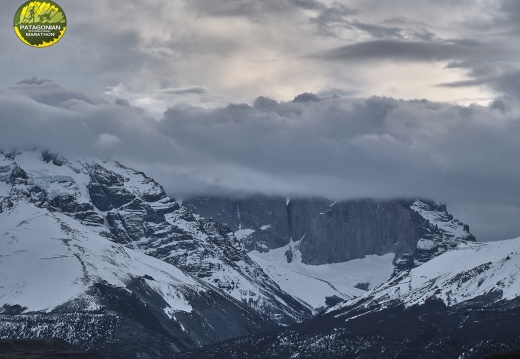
47 259
463 273
313 283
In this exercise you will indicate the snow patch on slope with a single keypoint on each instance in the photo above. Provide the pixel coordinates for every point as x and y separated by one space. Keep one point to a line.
313 284
243 233
311 290
41 272
464 273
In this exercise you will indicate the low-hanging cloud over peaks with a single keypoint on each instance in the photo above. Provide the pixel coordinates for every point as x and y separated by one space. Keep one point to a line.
413 51
375 147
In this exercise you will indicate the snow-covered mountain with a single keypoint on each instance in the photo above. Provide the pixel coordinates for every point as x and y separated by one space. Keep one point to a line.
97 254
464 273
464 303
58 279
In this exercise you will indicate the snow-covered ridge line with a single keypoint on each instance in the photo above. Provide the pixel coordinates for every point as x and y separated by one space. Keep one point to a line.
466 272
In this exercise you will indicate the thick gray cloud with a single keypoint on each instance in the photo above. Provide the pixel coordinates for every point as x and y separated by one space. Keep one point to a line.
398 50
50 93
338 148
238 50
149 83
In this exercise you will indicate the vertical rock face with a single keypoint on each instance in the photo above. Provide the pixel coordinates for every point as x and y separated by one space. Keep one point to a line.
415 231
260 222
344 231
334 232
302 213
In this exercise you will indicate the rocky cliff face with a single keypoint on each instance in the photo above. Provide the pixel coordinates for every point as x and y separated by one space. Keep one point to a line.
260 222
334 232
415 231
138 214
342 231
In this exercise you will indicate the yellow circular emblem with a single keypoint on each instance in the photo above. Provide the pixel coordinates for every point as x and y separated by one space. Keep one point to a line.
40 23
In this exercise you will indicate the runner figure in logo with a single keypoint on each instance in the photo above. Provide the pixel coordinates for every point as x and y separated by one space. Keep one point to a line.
40 23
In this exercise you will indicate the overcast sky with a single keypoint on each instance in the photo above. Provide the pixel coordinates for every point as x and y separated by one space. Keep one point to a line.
400 98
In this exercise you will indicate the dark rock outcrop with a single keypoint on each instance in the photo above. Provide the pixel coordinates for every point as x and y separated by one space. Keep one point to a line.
334 232
348 230
266 216
510 355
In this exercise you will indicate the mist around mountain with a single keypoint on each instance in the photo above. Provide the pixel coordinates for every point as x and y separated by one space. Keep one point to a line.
96 253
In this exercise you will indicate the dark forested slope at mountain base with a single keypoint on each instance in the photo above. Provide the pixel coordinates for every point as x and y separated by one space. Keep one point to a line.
42 348
470 330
